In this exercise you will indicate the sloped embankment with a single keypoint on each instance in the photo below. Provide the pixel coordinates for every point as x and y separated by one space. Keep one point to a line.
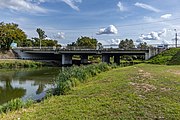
167 57
7 54
143 91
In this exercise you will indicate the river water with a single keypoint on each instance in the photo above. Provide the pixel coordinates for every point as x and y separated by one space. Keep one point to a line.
26 83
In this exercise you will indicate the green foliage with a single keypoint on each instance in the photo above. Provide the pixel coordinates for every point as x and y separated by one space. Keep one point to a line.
15 104
86 42
143 45
41 33
175 60
70 77
126 44
41 41
8 64
9 32
167 57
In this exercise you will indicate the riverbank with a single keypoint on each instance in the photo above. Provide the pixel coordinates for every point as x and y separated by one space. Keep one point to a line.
8 60
17 63
136 92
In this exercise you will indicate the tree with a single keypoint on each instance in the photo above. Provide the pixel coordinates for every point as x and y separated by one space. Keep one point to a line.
99 45
143 46
126 44
41 34
87 42
9 33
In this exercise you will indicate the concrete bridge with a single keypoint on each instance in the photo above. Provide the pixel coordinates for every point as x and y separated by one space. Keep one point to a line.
64 55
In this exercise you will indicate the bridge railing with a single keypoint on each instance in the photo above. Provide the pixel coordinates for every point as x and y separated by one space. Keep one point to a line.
104 47
71 48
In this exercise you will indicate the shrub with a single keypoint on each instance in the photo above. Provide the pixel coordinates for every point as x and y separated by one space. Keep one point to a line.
14 104
72 76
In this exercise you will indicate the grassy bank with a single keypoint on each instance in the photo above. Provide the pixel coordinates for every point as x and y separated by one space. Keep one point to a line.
167 57
16 63
135 92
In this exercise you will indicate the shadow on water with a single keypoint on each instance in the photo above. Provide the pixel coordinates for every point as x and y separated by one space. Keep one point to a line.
26 83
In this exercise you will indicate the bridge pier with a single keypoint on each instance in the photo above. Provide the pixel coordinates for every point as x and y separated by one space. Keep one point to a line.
117 59
106 58
84 59
66 59
147 56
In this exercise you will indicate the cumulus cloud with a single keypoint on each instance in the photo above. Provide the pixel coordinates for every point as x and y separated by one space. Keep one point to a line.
72 3
147 7
166 16
22 5
162 37
111 29
153 35
115 41
60 35
121 7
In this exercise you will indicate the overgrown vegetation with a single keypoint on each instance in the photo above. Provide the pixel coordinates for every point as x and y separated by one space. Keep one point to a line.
19 64
15 104
70 77
168 57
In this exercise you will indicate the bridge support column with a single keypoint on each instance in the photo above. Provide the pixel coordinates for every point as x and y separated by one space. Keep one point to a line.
66 59
106 58
117 59
146 56
84 59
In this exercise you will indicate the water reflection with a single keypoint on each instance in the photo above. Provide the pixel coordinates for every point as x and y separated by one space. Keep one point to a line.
26 83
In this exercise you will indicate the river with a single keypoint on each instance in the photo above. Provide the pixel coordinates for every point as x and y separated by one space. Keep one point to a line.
26 83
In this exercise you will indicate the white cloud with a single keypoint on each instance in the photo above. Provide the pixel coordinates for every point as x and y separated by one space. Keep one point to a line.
166 16
109 30
22 5
115 41
147 7
60 35
121 7
153 35
166 36
72 3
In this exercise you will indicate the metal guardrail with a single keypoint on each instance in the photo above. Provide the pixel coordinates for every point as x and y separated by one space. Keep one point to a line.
67 48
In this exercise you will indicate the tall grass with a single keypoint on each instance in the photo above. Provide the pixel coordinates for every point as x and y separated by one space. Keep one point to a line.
19 64
14 104
72 76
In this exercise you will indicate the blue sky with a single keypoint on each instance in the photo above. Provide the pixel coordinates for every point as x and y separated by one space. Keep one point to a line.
109 21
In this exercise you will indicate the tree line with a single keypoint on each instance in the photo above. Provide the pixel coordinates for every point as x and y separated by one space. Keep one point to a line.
11 33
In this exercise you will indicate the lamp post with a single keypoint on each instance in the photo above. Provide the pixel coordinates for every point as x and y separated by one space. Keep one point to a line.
175 38
40 44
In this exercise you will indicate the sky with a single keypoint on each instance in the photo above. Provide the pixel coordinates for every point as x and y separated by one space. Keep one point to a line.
109 21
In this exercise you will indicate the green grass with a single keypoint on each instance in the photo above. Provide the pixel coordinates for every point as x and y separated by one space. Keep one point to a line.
167 57
142 91
15 63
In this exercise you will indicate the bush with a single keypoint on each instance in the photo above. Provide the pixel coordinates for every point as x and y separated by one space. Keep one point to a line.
14 104
72 76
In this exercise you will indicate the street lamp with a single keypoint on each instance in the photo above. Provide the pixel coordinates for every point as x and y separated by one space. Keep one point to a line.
40 44
175 38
